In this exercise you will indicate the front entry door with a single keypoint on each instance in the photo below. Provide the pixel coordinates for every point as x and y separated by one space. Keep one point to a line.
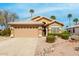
44 31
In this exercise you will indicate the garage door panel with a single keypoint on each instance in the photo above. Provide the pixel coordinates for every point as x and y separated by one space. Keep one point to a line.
26 32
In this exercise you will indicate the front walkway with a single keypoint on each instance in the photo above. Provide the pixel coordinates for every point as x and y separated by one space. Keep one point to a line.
18 46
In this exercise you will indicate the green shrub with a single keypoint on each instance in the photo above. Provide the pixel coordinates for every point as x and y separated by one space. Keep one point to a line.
50 38
50 34
0 32
55 34
65 35
66 32
5 32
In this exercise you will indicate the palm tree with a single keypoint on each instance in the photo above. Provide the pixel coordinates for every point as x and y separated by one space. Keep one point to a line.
75 20
31 12
53 17
69 16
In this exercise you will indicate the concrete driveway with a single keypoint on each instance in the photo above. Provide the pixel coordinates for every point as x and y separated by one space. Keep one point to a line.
18 46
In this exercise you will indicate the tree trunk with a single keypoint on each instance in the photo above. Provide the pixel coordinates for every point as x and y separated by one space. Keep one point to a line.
31 15
69 22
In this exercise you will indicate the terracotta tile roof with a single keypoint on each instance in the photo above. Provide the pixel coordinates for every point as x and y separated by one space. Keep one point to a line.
40 17
35 17
35 22
54 21
26 22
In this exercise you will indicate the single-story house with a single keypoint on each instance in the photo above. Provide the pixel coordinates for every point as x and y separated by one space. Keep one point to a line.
74 29
37 26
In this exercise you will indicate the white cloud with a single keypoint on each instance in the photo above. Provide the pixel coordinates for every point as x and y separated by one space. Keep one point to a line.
68 7
23 8
49 9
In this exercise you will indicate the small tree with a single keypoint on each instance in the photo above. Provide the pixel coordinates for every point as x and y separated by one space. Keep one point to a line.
53 17
13 16
75 20
31 12
6 17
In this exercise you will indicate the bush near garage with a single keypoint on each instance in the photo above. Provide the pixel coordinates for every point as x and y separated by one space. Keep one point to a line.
5 32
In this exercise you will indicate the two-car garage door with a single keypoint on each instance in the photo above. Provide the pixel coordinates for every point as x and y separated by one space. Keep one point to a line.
26 32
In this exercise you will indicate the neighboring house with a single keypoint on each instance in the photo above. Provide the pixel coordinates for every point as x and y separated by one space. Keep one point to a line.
74 29
37 26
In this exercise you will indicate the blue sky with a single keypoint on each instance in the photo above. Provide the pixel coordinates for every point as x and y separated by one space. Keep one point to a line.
60 10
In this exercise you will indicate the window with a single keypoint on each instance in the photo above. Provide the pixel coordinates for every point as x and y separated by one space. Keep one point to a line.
55 29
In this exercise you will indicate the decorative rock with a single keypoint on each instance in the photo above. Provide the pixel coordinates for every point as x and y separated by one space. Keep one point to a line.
75 37
76 48
52 49
11 35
